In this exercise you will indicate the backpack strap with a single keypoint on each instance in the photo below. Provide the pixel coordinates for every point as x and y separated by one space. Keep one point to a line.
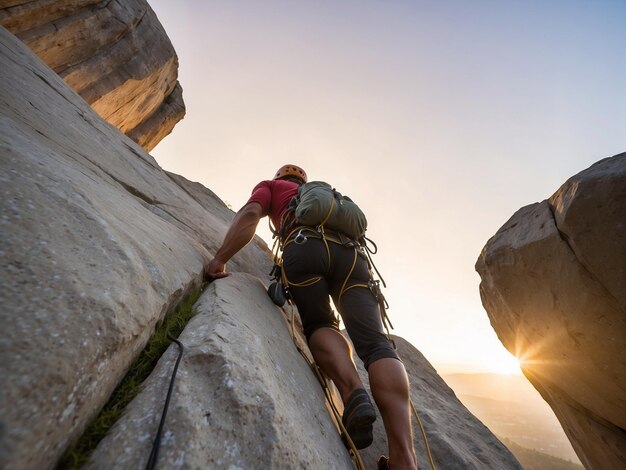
330 210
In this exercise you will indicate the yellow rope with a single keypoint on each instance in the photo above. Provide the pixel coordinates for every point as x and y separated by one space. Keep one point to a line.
308 282
356 285
419 422
343 287
352 451
327 248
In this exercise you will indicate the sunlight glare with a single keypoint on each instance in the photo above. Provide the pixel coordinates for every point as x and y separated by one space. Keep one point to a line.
506 363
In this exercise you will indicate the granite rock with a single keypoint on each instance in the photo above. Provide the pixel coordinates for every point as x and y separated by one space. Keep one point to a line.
115 54
554 287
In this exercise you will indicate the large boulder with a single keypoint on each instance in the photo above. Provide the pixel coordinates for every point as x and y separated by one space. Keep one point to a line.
98 243
554 287
115 54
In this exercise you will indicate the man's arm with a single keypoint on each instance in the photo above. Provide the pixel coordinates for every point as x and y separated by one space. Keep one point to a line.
239 234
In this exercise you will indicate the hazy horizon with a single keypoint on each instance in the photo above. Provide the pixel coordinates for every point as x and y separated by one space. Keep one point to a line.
512 408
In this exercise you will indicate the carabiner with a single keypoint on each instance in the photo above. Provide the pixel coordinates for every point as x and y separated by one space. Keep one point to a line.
300 238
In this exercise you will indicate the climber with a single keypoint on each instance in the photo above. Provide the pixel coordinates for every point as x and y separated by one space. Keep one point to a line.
321 269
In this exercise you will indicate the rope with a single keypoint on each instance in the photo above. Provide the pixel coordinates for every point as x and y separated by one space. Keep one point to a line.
157 440
419 422
352 451
343 286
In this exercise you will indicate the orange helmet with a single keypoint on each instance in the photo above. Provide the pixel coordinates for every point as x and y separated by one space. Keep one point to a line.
291 170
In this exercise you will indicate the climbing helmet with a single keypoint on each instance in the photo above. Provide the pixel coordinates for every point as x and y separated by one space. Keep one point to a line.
291 170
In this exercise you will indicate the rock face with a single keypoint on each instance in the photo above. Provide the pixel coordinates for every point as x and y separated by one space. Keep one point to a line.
115 54
457 439
554 286
98 243
243 396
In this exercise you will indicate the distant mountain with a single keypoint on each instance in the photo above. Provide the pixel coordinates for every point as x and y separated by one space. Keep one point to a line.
535 460
513 409
509 388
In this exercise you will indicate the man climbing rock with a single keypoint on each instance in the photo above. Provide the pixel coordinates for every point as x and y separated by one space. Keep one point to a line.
315 269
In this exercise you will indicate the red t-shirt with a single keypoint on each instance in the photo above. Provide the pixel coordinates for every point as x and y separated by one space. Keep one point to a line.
274 197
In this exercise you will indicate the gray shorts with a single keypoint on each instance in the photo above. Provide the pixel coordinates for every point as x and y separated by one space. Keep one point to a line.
358 307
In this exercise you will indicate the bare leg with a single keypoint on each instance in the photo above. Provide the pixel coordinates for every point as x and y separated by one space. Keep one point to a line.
331 352
390 387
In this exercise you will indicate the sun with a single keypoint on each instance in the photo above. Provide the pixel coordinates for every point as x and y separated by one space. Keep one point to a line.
506 363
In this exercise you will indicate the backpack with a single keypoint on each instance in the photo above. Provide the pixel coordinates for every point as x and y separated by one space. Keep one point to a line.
319 204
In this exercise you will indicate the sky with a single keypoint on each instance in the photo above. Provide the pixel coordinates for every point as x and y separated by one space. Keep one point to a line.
439 118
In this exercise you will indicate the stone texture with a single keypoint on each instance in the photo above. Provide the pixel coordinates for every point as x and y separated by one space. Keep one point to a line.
457 439
554 286
160 123
98 243
590 214
243 396
114 53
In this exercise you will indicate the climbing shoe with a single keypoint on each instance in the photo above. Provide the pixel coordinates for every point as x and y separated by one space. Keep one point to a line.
383 463
358 416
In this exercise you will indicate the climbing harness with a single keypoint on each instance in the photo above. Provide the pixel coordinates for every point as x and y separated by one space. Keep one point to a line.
157 439
298 236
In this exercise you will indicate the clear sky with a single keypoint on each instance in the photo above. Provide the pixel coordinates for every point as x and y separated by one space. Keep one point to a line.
439 118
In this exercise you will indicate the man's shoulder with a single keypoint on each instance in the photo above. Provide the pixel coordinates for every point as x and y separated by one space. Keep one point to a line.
284 184
264 183
277 184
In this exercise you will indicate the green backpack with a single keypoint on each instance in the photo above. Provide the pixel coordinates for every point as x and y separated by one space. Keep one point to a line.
319 204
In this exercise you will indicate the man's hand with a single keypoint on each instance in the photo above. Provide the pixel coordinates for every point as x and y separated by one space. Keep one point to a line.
240 232
216 269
